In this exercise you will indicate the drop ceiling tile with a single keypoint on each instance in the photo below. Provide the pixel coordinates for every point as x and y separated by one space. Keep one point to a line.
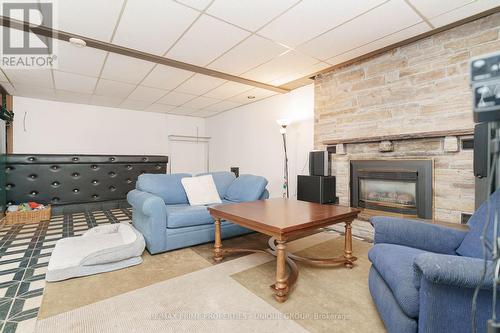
204 113
222 106
228 89
285 64
147 94
252 52
198 4
74 82
90 18
304 72
166 77
3 78
249 14
432 8
207 39
257 93
161 108
200 84
473 8
34 92
125 69
113 88
134 105
367 28
153 27
79 60
378 44
201 102
182 111
73 97
176 98
33 77
311 18
9 87
108 101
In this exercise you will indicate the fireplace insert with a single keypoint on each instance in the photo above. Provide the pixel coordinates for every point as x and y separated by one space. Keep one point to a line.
395 186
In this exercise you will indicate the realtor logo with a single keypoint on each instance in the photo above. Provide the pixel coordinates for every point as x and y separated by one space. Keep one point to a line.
24 48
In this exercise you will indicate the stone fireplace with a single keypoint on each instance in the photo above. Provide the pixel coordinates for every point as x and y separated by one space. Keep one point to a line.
401 187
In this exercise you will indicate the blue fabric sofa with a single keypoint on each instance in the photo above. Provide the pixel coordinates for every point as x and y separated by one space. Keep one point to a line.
423 274
161 211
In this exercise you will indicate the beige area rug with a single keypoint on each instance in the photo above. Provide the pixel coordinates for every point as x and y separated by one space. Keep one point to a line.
219 298
331 299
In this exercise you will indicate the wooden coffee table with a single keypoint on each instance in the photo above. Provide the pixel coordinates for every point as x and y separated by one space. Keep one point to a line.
281 219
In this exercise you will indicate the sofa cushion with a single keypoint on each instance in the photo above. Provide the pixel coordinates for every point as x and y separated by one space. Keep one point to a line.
184 215
222 180
395 265
167 187
472 245
246 188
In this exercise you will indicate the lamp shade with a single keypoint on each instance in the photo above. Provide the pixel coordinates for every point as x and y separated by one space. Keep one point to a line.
283 122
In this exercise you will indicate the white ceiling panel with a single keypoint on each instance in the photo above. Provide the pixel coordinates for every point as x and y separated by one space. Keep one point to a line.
312 17
250 53
285 64
304 72
90 18
134 105
257 93
147 94
79 60
113 88
228 89
373 25
204 113
154 26
176 98
3 78
161 108
249 14
182 111
473 8
201 102
378 44
432 8
166 77
125 69
74 82
73 97
33 77
200 84
207 39
9 87
108 101
222 106
34 92
198 4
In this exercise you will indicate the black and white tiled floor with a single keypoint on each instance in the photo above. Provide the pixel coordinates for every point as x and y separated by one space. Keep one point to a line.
24 255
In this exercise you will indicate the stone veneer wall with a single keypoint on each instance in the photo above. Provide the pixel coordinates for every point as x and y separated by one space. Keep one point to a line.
420 87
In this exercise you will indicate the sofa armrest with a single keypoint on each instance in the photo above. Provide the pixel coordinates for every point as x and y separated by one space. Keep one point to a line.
452 270
418 234
150 218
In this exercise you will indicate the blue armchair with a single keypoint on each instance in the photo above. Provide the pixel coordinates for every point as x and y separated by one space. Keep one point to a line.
423 274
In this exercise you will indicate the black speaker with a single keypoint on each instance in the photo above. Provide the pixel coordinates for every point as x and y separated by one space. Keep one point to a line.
319 163
320 189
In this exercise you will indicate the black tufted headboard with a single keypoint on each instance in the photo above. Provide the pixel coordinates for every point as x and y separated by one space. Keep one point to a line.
74 183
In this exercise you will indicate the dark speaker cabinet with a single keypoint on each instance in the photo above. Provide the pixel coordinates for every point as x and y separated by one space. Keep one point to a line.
320 189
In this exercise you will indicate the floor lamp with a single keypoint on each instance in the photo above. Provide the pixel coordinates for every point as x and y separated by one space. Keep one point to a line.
284 123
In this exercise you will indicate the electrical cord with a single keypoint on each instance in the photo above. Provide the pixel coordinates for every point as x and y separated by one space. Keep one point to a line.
486 245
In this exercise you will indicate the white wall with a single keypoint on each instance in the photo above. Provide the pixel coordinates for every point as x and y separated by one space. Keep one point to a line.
248 137
48 127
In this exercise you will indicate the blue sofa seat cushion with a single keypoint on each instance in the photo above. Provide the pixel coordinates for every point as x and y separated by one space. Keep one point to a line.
184 215
246 188
222 180
167 187
472 245
395 264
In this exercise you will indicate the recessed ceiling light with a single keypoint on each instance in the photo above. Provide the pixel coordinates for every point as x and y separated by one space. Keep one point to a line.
250 97
77 42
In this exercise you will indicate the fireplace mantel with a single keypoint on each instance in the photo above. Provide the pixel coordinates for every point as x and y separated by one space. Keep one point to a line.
404 136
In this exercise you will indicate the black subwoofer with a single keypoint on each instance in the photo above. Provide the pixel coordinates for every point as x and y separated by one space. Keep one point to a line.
320 189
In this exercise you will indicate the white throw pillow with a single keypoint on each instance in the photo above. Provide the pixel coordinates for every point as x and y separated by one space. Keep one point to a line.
201 190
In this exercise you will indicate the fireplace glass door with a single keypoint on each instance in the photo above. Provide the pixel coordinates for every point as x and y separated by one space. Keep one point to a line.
389 195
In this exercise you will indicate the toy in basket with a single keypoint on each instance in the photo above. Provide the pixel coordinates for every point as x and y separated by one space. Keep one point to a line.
30 212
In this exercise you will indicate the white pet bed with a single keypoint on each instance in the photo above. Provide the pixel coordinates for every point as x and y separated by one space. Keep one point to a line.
101 249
